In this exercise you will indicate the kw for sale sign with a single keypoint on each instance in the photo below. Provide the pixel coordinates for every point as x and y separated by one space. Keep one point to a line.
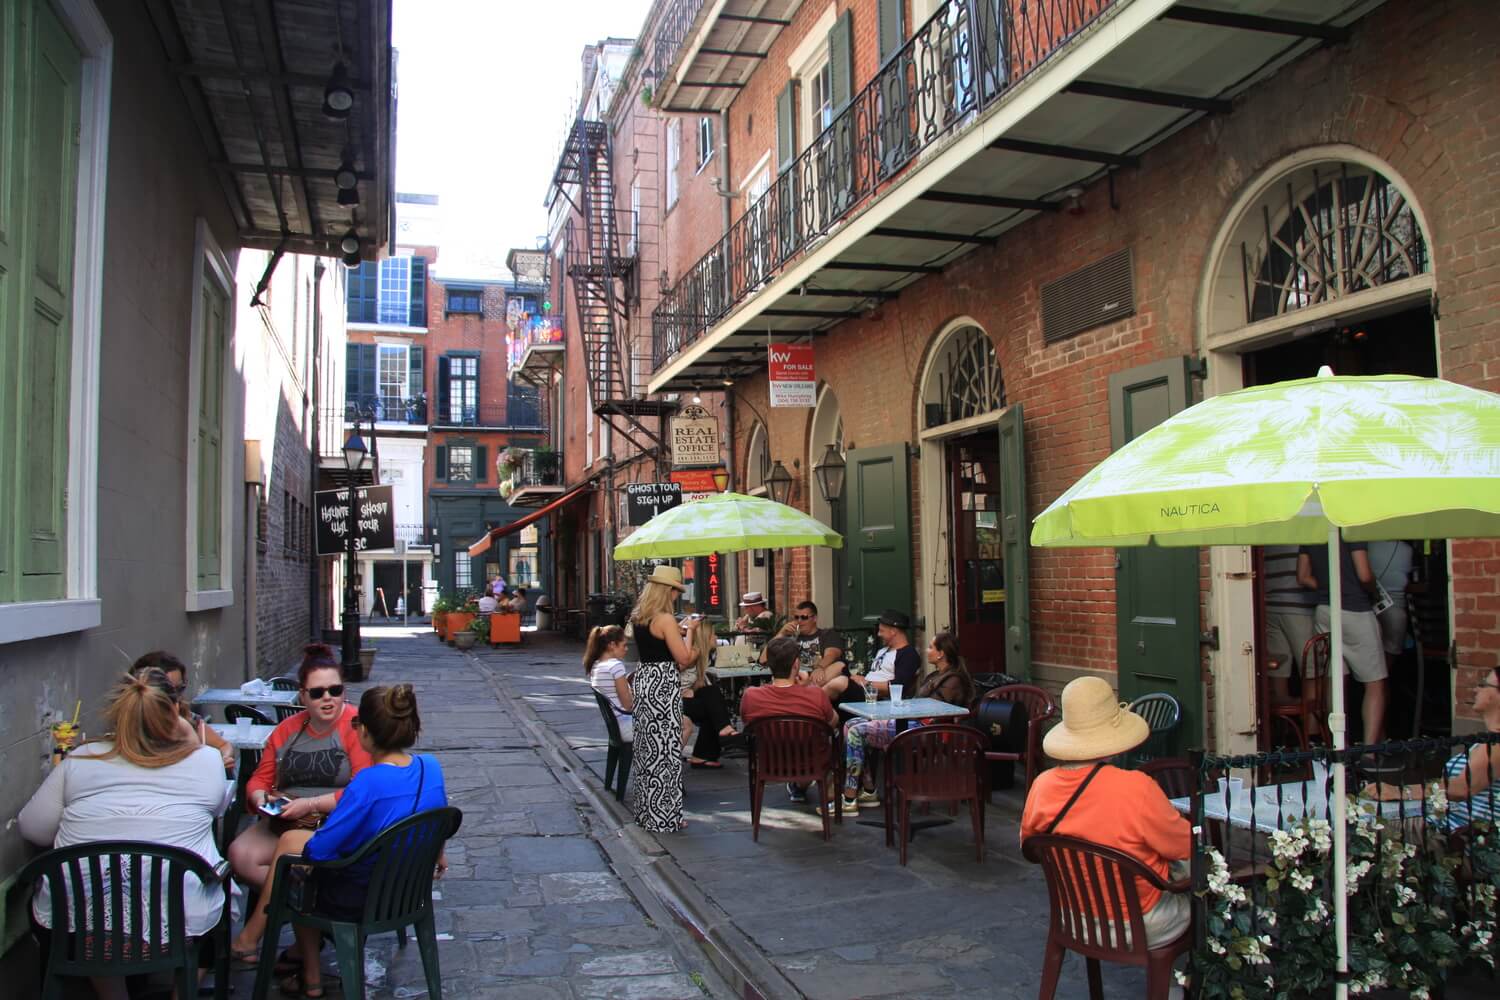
792 380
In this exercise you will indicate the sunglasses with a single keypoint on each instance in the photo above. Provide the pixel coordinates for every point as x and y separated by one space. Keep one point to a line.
333 691
804 618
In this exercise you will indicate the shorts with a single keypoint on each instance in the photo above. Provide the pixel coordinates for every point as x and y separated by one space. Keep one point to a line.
1393 627
1363 653
338 895
1287 633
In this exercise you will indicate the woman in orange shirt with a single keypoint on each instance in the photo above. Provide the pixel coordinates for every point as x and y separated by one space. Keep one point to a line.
1125 810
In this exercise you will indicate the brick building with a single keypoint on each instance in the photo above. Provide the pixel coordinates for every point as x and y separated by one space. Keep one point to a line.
1018 235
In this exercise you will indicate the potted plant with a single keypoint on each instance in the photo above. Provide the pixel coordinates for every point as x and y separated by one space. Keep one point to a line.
458 620
468 636
440 609
480 629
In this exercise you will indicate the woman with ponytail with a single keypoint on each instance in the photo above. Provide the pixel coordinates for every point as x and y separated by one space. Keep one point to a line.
400 784
604 663
150 779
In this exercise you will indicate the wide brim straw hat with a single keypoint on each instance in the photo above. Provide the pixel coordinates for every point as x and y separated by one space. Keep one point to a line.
1094 723
670 576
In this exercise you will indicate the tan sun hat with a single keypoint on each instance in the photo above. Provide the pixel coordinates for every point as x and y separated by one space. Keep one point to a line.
1094 724
669 575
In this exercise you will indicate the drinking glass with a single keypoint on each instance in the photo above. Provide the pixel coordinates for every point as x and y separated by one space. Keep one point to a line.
871 695
895 693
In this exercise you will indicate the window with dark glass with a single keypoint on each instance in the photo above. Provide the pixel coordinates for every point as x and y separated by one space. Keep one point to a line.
460 388
465 301
460 463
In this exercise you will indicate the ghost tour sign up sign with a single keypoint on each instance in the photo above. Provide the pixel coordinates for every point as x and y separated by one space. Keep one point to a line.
646 500
372 519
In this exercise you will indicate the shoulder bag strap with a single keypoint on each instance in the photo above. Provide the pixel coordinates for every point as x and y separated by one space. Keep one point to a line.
1069 804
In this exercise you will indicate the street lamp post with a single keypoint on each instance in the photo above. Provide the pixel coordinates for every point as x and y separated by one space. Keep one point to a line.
779 486
830 475
356 453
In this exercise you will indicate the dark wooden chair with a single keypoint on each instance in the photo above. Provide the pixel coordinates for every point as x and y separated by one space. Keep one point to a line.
401 860
1040 710
1163 714
796 750
1096 912
937 763
234 713
1307 716
621 751
98 929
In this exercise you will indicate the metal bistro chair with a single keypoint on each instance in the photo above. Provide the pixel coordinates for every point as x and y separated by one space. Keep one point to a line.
1305 717
284 684
1096 912
937 763
400 860
799 751
97 930
1040 710
1163 714
621 751
234 713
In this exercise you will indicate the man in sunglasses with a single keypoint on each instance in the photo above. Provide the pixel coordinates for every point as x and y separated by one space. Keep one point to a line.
822 652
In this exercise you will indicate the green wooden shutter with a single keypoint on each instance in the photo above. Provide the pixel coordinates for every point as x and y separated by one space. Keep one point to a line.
841 59
1015 537
891 30
362 292
359 374
879 560
418 315
210 483
482 464
415 376
39 322
440 462
442 416
786 126
1156 588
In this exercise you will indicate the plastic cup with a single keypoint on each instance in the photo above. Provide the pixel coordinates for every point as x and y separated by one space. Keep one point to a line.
871 695
895 693
243 724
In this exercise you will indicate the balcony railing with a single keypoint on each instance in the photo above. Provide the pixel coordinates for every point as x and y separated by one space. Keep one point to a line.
518 412
672 32
387 409
532 331
967 56
539 468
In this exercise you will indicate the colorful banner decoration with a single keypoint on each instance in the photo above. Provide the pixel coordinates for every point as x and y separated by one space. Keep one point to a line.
793 382
528 330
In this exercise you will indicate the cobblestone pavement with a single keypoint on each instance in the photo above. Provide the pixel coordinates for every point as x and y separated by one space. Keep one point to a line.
540 902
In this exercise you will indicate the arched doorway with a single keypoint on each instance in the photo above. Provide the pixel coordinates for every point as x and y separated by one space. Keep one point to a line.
757 467
1322 260
964 481
827 428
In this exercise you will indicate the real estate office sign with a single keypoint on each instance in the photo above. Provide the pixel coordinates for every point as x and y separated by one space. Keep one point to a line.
695 438
372 518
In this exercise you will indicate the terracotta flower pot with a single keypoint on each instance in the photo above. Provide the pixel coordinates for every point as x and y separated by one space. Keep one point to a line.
440 623
457 621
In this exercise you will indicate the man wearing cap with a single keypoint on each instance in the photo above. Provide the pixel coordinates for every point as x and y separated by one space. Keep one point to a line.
1092 800
898 661
754 615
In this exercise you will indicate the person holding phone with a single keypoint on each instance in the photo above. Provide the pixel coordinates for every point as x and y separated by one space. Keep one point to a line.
663 651
308 760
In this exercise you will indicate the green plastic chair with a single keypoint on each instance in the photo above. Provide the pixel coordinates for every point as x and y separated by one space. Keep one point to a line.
402 858
98 944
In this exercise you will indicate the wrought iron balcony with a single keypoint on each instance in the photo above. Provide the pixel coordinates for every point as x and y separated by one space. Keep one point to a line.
387 409
535 347
701 58
522 412
534 479
965 58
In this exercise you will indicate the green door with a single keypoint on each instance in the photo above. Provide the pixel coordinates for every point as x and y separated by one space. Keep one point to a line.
877 559
1015 537
1156 589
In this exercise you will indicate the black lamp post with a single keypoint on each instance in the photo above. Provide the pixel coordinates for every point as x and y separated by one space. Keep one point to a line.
356 454
779 483
779 488
830 473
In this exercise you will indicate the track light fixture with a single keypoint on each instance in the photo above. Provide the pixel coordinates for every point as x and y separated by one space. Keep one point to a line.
697 395
348 196
351 260
338 95
349 243
345 177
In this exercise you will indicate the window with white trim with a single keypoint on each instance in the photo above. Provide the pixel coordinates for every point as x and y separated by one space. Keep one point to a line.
395 291
633 245
674 152
391 375
460 463
818 86
210 542
705 141
463 570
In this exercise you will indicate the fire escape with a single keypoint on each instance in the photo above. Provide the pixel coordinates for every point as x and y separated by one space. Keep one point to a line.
599 270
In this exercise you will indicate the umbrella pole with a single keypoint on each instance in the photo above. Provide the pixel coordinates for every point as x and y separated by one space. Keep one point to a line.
1336 725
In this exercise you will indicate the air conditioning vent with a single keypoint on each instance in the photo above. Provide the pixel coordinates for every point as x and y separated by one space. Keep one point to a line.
1091 296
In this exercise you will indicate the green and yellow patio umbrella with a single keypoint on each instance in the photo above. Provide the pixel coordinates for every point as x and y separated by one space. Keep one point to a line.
725 522
1301 462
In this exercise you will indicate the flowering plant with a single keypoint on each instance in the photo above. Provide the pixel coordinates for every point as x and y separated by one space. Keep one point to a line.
1409 921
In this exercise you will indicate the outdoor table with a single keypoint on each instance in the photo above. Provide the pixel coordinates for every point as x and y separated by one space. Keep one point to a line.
733 681
1297 799
902 712
243 737
234 696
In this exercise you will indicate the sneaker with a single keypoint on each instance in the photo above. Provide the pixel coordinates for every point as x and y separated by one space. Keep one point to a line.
795 793
868 798
851 805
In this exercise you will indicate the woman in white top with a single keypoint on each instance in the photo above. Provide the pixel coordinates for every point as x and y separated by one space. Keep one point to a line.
151 780
603 661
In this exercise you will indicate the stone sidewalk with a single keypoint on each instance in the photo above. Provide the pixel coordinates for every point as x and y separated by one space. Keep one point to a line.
791 916
541 901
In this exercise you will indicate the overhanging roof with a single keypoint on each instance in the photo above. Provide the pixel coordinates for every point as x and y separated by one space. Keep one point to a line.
705 50
253 73
482 544
1140 72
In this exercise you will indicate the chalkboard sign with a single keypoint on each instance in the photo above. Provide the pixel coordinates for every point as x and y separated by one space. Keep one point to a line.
373 517
649 499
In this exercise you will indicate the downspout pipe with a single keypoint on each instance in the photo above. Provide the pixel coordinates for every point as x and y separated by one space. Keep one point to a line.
315 564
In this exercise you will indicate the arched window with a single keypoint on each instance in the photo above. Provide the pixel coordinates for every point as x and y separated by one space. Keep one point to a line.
757 460
1327 231
964 380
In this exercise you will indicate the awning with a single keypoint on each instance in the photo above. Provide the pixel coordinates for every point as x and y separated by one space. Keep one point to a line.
481 546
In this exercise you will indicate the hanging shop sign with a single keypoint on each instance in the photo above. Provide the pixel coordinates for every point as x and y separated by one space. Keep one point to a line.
695 437
698 483
708 575
793 382
372 519
646 500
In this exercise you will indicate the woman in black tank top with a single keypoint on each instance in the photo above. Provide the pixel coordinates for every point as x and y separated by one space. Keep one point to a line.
657 800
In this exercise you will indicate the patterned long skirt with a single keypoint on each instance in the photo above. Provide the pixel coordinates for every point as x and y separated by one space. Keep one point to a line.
657 768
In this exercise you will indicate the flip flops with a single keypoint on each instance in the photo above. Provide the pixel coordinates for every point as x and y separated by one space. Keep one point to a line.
705 765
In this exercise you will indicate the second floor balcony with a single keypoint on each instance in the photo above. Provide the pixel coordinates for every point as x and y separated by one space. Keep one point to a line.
536 348
530 477
703 51
991 113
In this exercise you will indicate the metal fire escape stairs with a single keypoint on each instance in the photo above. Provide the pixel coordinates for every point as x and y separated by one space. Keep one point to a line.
598 268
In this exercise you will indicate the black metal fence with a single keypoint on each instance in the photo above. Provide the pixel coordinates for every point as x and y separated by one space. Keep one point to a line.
961 61
1422 877
382 408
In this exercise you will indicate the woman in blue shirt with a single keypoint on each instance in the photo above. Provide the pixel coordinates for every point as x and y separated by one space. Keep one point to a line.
399 785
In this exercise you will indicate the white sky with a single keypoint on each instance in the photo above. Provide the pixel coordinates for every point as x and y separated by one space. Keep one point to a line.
486 89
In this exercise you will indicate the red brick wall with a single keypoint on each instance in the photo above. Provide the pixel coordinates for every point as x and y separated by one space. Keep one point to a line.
1417 86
